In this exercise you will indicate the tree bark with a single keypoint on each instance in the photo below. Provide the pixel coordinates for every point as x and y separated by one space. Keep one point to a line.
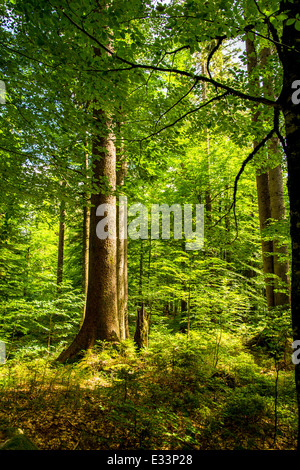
208 205
262 184
142 324
61 242
277 203
122 290
85 240
101 316
280 257
141 332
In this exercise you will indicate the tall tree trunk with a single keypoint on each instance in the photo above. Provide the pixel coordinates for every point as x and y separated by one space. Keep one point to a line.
280 257
122 291
85 240
277 203
208 206
290 62
101 320
141 331
264 210
101 316
262 184
85 247
61 242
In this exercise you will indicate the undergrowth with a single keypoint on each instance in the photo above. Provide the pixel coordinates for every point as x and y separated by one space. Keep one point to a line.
205 391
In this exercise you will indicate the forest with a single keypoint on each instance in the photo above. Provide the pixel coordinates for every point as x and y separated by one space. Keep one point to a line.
149 225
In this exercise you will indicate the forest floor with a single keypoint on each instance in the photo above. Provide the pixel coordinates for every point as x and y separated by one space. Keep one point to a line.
178 394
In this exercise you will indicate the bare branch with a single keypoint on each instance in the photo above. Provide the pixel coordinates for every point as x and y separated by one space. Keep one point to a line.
243 166
212 52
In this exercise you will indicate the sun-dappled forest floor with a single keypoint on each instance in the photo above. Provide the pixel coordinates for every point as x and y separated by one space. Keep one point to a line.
202 392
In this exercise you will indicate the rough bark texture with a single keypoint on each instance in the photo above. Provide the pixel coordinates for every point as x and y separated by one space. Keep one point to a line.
101 316
122 291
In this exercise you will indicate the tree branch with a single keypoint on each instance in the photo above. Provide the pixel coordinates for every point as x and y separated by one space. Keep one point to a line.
185 73
177 102
218 97
212 52
243 166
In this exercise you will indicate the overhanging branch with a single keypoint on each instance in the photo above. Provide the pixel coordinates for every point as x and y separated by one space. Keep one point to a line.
133 65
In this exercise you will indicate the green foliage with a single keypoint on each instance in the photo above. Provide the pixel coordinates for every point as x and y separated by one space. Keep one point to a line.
31 327
171 396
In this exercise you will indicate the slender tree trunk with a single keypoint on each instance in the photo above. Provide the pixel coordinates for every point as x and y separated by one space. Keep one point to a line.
262 185
85 240
122 292
141 331
208 206
61 242
126 291
85 247
280 258
264 209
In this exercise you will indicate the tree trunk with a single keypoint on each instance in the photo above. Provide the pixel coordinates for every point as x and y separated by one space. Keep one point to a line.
208 205
280 257
85 241
262 185
61 242
85 248
141 332
277 203
122 290
291 111
101 316
264 210
142 326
